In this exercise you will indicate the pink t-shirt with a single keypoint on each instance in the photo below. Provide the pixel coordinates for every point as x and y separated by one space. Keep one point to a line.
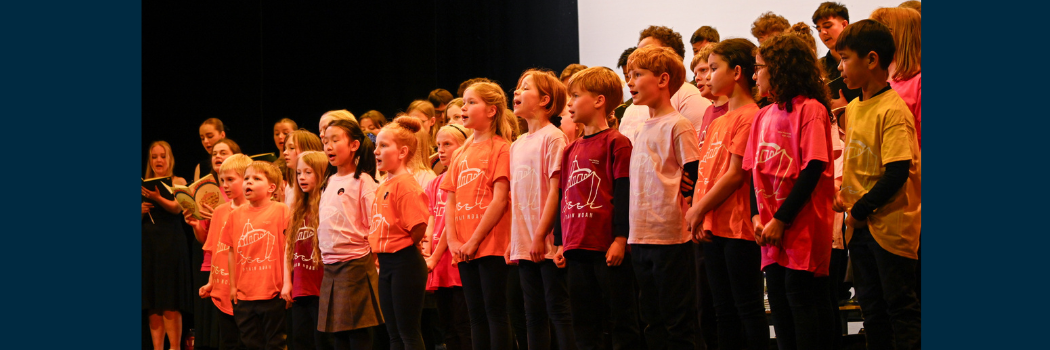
534 158
443 275
591 165
256 240
910 91
306 265
220 272
780 145
662 146
687 101
345 211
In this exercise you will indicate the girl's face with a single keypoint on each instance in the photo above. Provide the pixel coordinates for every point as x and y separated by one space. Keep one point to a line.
280 133
455 115
219 154
427 122
209 136
527 99
368 126
389 155
291 151
476 113
322 125
305 176
158 160
256 186
339 147
446 145
232 184
722 76
762 76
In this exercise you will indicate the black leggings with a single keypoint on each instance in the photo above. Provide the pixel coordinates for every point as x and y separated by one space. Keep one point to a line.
304 325
402 285
357 339
734 270
798 301
453 310
546 303
485 290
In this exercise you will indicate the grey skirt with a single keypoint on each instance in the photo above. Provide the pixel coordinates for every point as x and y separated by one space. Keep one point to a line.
349 297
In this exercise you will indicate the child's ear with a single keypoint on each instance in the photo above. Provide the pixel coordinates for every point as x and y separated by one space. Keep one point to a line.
873 59
354 145
272 188
402 152
494 110
599 103
545 101
738 73
665 79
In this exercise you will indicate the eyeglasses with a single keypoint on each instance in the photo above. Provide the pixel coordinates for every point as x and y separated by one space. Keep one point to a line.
759 66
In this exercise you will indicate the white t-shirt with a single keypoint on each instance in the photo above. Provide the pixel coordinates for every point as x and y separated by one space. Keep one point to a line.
534 158
344 218
662 146
687 101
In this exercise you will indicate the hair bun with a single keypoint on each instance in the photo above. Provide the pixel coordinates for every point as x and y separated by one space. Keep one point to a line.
412 124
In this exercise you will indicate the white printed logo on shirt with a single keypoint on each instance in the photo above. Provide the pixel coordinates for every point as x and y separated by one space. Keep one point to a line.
644 166
304 233
466 176
527 177
779 162
588 178
867 164
250 240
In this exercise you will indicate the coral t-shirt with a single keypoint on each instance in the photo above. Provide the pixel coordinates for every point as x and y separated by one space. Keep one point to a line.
399 206
879 131
345 215
471 177
662 146
910 91
591 165
306 264
780 145
220 271
727 135
443 275
534 158
256 240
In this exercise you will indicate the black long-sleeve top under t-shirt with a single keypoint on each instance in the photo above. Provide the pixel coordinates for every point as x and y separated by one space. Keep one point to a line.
621 202
799 195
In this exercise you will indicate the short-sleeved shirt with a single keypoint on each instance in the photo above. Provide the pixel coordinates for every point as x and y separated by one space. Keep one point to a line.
399 206
256 239
534 158
780 146
220 271
726 136
306 263
661 148
880 131
471 177
443 275
712 113
687 101
345 213
910 91
591 165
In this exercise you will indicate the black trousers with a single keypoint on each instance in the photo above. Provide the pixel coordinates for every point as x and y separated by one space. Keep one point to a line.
229 336
402 285
305 335
546 296
885 284
516 310
734 269
802 315
357 339
485 290
261 323
603 299
707 337
453 310
667 294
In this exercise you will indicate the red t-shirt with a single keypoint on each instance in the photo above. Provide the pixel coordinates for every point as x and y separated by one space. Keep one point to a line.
727 135
590 165
781 144
400 205
712 113
471 178
910 91
307 269
220 272
443 275
256 240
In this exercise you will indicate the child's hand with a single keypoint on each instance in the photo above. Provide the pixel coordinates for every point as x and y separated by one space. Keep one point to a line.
233 294
695 224
286 293
205 291
758 229
772 233
146 207
431 263
453 248
839 101
153 195
614 256
686 186
467 250
538 250
838 206
188 216
559 258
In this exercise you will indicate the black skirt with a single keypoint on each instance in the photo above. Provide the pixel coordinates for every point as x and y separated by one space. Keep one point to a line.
166 278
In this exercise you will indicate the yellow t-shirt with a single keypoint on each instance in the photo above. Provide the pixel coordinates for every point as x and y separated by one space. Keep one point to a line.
881 130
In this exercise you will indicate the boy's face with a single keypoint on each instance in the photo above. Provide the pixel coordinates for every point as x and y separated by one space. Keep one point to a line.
232 184
699 45
701 70
722 78
584 105
645 86
257 188
856 69
829 28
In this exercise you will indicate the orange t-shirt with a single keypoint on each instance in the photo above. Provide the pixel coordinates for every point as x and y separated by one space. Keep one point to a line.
256 240
727 135
471 177
220 271
400 205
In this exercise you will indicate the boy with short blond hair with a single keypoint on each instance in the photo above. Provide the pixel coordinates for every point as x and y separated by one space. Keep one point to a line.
663 169
593 213
881 189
